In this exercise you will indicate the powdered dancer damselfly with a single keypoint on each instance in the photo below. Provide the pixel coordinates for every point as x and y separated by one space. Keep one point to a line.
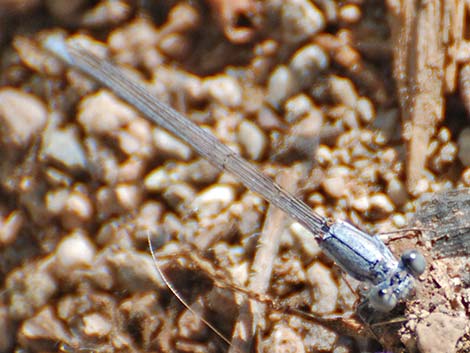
364 257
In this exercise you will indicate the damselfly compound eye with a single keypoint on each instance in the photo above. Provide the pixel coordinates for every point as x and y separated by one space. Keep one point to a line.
382 299
414 262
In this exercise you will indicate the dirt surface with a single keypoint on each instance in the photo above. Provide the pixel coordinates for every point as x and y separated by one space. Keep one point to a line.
356 108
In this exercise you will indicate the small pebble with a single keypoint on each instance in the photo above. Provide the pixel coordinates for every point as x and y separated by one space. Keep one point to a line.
361 203
307 62
300 19
213 199
22 116
131 170
57 178
464 147
10 227
182 17
174 45
202 172
179 196
297 107
366 110
422 186
350 13
56 199
129 196
74 251
444 135
158 180
224 89
282 85
136 43
396 190
324 155
399 220
325 289
79 205
190 325
103 113
64 146
135 271
43 326
305 238
321 339
336 180
382 203
168 145
330 10
133 145
252 139
350 119
106 14
466 177
343 91
96 325
29 287
284 339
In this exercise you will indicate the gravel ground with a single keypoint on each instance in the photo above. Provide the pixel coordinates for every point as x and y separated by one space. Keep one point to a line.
303 89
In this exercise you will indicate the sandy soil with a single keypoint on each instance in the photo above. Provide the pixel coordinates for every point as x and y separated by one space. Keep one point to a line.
358 109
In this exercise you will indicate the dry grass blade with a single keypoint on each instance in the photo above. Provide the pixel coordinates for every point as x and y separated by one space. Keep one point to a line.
179 297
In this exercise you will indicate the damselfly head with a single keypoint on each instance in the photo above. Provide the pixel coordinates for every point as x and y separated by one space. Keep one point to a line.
383 299
414 262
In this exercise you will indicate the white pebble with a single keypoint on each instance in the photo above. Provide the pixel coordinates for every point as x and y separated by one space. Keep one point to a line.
79 205
170 146
44 326
56 199
300 19
96 325
343 91
129 196
324 287
336 180
102 112
64 146
350 13
422 186
304 237
444 135
22 116
324 155
310 125
157 180
75 250
361 203
382 202
252 139
179 195
224 89
399 220
366 110
466 177
297 107
284 339
214 199
321 339
10 227
307 62
282 84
